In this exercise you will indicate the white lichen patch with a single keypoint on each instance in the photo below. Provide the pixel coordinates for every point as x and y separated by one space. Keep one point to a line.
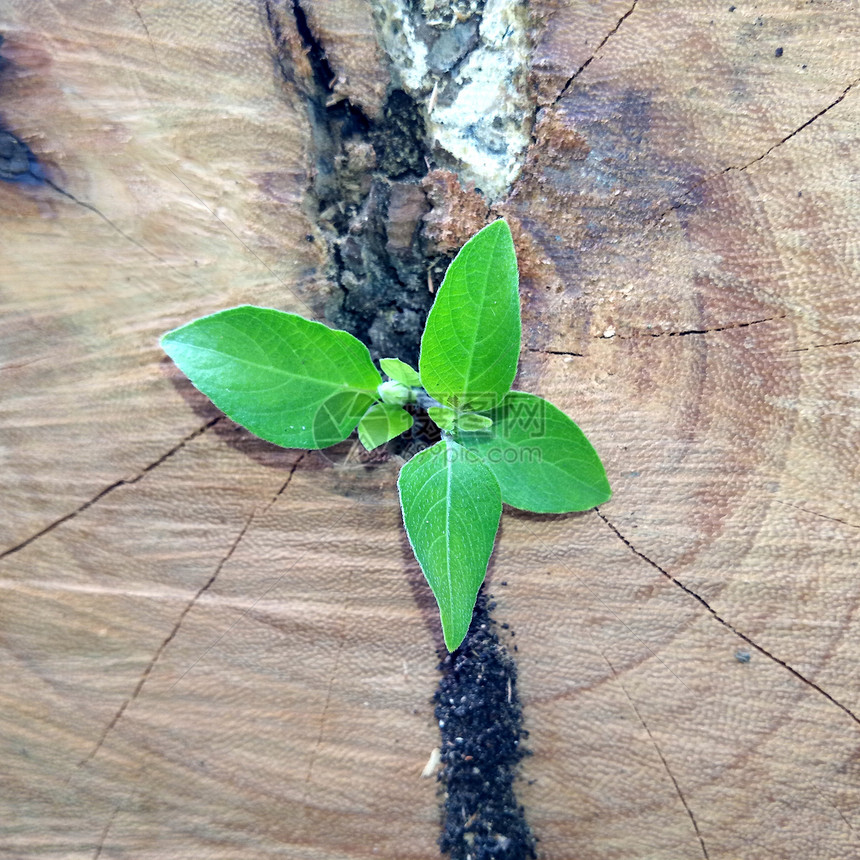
479 110
399 39
487 126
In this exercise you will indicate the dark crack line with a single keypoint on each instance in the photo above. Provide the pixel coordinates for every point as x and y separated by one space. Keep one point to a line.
728 327
799 129
323 720
182 616
145 28
113 225
276 32
838 811
286 482
829 802
824 345
761 649
323 717
168 639
344 633
325 75
104 834
816 514
554 352
559 557
597 50
740 168
251 251
690 191
661 756
248 611
282 53
123 482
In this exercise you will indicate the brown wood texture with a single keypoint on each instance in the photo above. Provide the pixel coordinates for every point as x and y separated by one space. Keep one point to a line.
212 648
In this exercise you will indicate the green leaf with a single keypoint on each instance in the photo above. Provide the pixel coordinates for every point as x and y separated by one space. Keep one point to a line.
471 343
400 371
541 459
451 509
381 423
471 421
451 420
443 417
396 393
288 380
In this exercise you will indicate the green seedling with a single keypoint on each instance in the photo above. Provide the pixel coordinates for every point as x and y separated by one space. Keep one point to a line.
299 384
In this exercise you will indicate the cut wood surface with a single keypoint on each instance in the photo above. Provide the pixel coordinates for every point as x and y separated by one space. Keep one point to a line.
215 648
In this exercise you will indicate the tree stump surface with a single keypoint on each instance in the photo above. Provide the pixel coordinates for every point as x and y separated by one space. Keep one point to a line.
215 648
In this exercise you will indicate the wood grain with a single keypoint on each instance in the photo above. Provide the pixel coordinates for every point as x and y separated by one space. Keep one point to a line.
214 648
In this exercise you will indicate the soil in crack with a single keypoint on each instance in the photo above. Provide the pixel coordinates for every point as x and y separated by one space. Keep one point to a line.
370 207
480 721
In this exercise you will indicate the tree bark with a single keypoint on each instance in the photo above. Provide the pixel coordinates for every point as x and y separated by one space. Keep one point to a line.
212 646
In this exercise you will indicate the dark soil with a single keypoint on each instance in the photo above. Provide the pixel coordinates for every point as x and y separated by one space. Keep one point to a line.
480 721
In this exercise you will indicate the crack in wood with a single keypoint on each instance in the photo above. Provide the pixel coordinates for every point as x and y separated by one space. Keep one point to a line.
816 514
280 40
668 770
67 194
123 482
105 830
164 643
597 50
819 345
559 557
830 803
323 719
137 12
684 333
714 614
740 168
799 129
247 612
182 616
553 351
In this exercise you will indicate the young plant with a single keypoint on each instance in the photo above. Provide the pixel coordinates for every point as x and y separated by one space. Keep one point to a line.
299 384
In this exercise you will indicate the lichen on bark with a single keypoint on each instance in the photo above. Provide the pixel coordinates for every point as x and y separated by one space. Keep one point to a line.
466 64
